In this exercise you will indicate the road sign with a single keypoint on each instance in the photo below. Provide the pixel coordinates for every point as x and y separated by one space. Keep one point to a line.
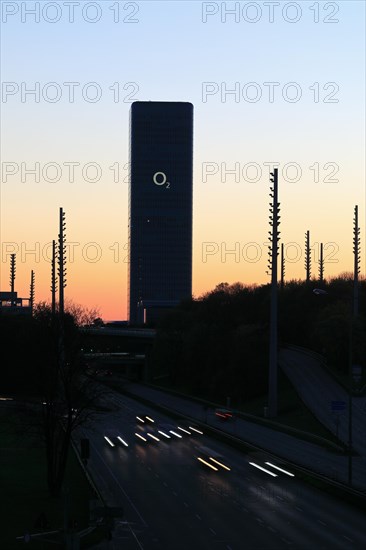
338 405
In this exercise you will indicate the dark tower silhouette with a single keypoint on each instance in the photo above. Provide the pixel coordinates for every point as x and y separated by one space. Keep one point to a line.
357 259
53 279
321 264
274 222
282 265
307 256
31 293
160 207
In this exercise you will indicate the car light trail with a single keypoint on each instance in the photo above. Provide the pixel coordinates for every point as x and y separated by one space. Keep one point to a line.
223 414
219 463
280 469
109 441
150 419
183 430
195 430
207 464
140 419
122 441
153 437
140 436
164 434
263 469
175 433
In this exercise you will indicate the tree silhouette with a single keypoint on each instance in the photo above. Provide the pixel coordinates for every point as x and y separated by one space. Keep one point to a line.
53 401
216 345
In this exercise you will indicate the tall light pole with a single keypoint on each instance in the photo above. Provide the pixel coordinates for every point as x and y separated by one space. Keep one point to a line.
53 280
62 283
12 277
31 292
353 314
62 261
273 253
307 256
283 266
321 264
356 263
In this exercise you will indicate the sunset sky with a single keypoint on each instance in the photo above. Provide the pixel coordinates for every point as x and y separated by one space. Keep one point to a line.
311 122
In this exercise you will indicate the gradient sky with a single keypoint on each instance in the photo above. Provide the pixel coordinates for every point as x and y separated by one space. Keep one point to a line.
167 54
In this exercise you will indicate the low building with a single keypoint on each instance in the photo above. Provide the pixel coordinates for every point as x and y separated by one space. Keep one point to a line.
10 304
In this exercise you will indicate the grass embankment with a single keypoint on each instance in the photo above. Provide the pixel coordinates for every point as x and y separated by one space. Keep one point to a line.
292 411
24 491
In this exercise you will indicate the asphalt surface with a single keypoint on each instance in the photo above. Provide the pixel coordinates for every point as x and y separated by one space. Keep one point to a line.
298 451
172 501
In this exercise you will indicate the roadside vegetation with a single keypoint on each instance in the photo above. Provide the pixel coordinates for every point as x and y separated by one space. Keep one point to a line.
42 370
217 346
28 506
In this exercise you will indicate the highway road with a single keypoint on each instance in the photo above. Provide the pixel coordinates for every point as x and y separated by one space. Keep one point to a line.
303 453
173 502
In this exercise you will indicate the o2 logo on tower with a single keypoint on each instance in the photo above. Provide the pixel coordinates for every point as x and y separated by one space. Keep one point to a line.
160 179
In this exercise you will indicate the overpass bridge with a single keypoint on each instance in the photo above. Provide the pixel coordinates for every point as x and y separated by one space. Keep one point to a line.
124 350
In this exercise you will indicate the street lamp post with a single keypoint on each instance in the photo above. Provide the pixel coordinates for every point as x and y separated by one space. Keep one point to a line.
353 312
273 253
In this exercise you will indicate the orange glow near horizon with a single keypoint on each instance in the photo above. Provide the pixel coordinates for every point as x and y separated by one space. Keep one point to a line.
230 235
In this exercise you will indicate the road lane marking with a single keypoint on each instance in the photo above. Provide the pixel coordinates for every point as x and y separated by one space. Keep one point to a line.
165 484
344 536
213 531
298 508
198 517
137 540
186 505
271 528
321 522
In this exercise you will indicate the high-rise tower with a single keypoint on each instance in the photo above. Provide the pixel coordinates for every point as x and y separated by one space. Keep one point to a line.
160 207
